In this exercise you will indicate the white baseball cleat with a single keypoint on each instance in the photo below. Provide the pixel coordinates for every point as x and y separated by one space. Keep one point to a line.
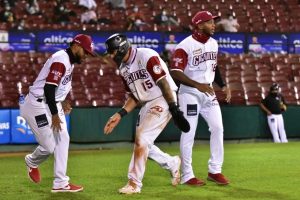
130 188
175 172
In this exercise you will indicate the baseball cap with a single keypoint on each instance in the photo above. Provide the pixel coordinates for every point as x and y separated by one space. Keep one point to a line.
274 86
202 16
85 42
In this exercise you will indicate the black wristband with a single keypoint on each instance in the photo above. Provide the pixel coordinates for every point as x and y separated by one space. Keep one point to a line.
123 112
172 105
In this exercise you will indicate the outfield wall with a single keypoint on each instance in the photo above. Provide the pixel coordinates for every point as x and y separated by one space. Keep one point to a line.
240 122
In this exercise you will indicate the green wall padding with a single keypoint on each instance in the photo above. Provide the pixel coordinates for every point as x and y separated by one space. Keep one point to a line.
240 122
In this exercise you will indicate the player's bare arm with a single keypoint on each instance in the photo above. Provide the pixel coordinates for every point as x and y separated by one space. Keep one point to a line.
176 113
227 92
56 127
183 79
114 120
219 81
265 109
66 107
166 90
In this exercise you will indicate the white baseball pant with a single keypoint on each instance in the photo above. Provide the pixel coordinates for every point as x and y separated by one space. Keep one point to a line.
276 125
38 116
153 117
192 105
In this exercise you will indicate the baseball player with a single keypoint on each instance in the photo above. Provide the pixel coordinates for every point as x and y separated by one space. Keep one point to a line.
44 110
194 66
274 105
149 83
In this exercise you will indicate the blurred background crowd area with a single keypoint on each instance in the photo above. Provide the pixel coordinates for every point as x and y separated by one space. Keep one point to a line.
117 15
96 83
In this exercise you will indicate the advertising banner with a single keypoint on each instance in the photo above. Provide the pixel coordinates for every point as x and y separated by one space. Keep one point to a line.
17 41
99 41
22 41
294 43
172 39
51 41
20 131
267 43
4 126
230 42
152 40
234 43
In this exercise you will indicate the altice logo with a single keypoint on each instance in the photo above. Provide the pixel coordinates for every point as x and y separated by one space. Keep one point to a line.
230 43
58 39
142 41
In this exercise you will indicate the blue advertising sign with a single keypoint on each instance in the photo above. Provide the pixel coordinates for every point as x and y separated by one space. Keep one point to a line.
20 131
172 39
50 41
230 42
4 126
294 43
152 40
68 122
99 41
271 43
21 41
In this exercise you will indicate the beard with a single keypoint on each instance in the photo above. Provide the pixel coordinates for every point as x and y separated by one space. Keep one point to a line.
77 59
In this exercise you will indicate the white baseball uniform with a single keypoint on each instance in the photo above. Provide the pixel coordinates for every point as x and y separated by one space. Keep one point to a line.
57 71
198 61
141 72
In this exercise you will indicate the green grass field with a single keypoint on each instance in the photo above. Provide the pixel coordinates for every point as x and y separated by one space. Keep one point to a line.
264 171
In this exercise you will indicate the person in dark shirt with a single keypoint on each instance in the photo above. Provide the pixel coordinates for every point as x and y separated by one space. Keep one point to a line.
274 105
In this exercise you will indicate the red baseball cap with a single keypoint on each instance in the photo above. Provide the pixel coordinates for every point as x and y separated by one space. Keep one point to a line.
202 16
85 42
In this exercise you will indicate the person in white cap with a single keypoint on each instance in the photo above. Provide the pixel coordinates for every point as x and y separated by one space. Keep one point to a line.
44 110
194 66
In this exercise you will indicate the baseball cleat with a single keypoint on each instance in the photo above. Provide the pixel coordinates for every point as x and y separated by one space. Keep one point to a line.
219 178
195 182
68 188
34 174
130 188
176 172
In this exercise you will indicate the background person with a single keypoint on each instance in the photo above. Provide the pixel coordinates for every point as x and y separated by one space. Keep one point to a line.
274 105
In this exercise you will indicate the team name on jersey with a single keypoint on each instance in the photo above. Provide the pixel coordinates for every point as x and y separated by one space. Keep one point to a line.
197 59
140 74
67 79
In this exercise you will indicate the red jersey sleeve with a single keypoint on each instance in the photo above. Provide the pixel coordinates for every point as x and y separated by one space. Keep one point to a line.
57 70
179 60
155 69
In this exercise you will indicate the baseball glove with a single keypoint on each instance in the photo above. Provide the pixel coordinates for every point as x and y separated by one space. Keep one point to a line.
178 118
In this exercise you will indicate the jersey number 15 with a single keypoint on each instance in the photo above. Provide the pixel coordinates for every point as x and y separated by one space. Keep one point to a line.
147 84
